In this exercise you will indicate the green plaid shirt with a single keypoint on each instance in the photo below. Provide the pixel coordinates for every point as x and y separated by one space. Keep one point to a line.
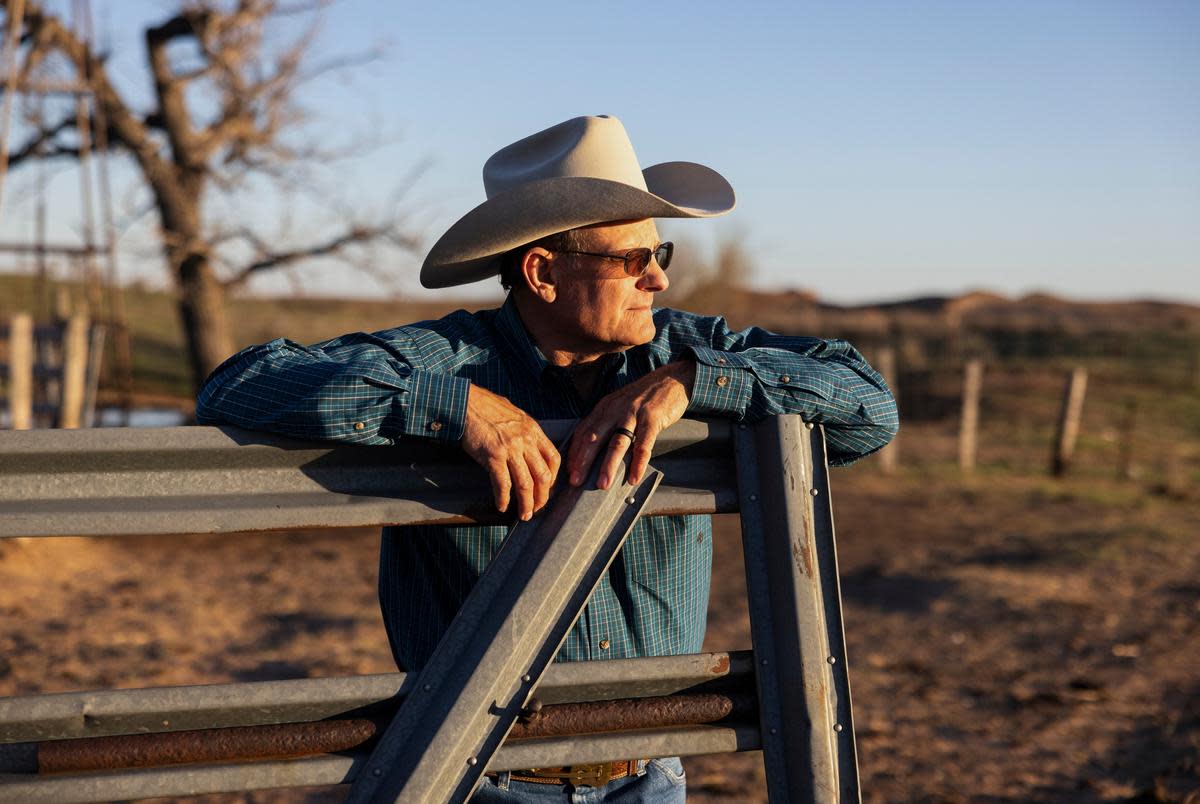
412 381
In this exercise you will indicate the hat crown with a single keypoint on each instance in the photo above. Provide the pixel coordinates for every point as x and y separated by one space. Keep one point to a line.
583 147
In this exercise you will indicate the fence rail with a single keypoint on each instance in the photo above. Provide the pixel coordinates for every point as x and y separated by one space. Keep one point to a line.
210 480
67 715
334 769
73 717
115 481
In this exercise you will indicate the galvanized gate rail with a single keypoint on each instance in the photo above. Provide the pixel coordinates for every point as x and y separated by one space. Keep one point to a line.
68 716
210 480
116 481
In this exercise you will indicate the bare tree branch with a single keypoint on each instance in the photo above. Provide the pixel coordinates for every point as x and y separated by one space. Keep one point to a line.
47 33
333 247
255 105
39 44
41 144
336 64
169 88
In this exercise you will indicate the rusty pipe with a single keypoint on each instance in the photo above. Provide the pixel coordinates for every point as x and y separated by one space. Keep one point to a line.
280 741
630 713
289 740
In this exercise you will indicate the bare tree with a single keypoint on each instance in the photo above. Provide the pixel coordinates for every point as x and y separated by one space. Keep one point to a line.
224 112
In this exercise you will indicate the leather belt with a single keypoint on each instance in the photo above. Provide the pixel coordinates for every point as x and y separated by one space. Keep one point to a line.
594 775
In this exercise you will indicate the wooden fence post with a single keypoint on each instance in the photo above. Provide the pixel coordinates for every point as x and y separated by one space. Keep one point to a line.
1125 447
1175 482
74 372
889 455
1068 421
91 383
969 427
20 371
62 304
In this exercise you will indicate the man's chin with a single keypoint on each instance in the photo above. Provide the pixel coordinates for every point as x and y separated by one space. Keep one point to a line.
643 334
635 331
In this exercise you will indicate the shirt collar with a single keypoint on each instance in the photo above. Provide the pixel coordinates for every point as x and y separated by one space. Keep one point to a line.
520 347
522 350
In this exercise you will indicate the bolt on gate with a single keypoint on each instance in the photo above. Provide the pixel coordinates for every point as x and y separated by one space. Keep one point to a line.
489 699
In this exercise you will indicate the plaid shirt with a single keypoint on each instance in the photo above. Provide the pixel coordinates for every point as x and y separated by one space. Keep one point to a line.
414 380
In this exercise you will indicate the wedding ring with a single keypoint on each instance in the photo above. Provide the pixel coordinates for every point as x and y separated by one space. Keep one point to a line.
625 432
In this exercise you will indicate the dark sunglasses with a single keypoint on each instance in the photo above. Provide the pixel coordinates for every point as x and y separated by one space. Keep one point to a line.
638 259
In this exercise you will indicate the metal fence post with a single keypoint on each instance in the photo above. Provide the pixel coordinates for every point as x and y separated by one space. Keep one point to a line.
795 613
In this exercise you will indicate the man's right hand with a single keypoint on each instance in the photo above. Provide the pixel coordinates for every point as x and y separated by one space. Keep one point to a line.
510 445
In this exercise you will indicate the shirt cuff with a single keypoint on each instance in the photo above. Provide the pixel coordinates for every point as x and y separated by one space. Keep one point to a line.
723 384
437 406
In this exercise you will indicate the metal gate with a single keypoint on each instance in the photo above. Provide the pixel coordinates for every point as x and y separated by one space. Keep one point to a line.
431 736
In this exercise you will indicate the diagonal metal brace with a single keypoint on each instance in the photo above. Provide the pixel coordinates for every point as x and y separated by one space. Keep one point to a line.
510 627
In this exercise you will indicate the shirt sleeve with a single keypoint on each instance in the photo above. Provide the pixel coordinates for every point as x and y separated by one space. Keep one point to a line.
360 388
752 374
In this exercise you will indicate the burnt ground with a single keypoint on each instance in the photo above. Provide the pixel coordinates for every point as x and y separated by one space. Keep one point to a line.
1010 639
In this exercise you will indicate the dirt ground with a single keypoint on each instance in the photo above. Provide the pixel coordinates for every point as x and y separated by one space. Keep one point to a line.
1010 639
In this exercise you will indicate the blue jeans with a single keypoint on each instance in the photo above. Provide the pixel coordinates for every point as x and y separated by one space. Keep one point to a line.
659 781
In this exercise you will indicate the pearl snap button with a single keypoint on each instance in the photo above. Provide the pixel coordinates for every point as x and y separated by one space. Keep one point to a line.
604 644
359 425
722 381
435 426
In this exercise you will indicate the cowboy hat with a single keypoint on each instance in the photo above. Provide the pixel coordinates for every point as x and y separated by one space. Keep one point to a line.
577 173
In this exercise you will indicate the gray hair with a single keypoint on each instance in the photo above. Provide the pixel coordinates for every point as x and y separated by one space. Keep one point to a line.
510 261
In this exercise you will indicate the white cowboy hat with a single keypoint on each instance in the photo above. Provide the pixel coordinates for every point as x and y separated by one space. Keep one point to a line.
577 173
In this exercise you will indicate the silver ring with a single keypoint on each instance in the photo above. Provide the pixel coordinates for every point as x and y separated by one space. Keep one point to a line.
625 431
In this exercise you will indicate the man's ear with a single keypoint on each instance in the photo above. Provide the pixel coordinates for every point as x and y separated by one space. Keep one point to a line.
538 269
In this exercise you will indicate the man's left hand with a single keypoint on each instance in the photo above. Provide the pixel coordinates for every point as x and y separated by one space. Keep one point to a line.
645 407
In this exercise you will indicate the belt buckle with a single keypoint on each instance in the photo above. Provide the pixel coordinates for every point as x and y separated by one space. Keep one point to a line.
593 775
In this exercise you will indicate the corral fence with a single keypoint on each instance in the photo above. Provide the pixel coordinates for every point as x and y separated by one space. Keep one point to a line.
49 373
489 699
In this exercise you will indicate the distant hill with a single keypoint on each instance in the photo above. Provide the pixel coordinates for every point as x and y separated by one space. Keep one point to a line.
1043 311
971 311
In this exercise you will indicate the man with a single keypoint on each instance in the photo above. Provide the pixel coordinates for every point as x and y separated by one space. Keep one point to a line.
568 225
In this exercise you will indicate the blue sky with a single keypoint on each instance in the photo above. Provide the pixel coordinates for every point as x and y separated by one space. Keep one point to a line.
879 149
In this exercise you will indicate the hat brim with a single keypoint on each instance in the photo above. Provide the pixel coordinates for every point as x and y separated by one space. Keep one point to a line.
471 248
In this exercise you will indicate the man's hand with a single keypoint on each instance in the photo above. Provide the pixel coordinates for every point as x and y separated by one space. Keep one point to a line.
646 407
510 445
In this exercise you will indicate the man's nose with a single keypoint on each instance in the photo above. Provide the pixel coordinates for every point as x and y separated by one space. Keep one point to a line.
655 279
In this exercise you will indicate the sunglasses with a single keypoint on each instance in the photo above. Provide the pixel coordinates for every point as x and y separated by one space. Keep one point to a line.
637 261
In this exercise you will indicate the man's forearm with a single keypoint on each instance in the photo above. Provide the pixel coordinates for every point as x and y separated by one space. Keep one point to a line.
826 382
304 392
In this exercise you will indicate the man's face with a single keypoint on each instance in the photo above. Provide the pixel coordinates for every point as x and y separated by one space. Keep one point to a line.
599 306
